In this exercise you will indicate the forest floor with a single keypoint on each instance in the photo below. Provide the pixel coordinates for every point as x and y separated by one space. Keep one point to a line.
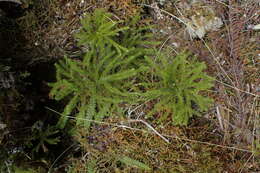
223 34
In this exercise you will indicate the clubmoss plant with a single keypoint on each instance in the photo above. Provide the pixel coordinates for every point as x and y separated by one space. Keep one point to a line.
97 85
99 30
112 74
42 137
178 86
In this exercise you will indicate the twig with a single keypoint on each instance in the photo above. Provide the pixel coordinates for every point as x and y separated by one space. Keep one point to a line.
164 135
14 1
230 86
7 167
129 111
59 157
241 170
219 118
116 125
150 127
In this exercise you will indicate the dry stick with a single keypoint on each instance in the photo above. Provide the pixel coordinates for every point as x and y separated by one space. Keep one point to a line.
130 121
150 127
164 135
129 111
212 54
161 47
163 44
49 171
210 144
230 86
241 169
227 5
8 169
219 118
256 122
230 7
14 1
223 3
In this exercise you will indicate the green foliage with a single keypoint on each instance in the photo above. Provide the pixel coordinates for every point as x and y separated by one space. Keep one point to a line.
27 3
91 166
134 163
111 73
100 30
178 88
43 136
4 68
98 84
21 170
256 148
12 168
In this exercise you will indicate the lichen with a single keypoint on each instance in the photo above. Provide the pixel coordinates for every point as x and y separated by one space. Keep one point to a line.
199 19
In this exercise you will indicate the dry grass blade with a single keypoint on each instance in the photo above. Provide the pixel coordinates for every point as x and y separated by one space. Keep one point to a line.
150 127
14 1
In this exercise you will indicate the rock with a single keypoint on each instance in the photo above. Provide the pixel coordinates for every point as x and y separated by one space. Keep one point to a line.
199 19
